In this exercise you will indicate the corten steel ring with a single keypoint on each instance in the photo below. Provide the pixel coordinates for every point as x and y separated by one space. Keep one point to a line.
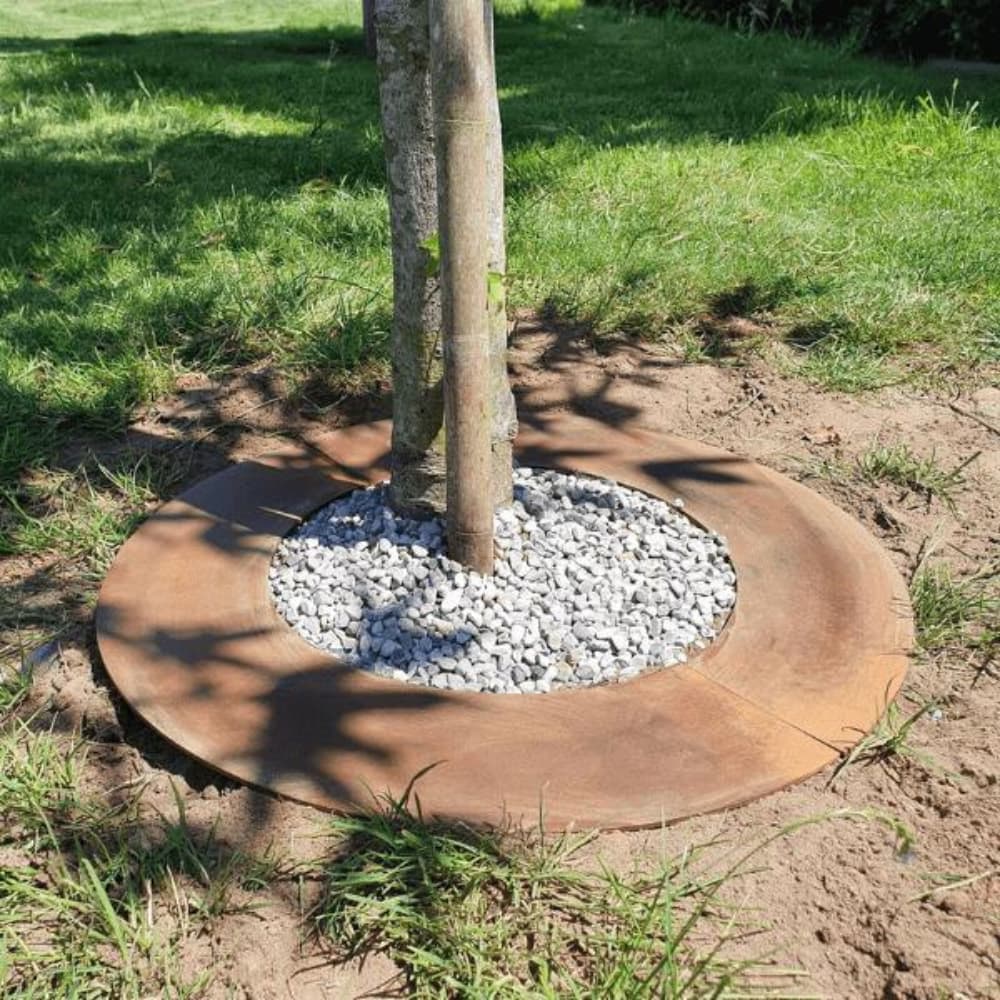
815 649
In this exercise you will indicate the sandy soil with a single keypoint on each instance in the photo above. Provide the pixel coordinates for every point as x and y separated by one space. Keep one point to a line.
841 901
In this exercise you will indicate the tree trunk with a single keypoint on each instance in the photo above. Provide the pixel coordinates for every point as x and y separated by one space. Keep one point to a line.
504 412
368 20
459 71
418 460
418 464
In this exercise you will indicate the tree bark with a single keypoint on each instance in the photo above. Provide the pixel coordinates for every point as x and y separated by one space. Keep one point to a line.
459 72
418 459
419 469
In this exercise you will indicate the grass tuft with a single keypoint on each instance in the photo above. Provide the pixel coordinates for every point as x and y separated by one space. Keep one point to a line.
888 741
97 900
899 465
473 913
87 513
952 612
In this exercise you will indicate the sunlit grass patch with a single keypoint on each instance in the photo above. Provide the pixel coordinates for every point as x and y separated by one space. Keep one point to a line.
226 205
467 912
849 367
955 611
898 464
96 899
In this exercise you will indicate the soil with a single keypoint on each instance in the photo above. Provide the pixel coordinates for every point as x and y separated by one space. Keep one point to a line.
842 902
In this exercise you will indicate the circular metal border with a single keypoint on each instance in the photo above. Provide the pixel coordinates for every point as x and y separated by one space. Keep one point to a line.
815 649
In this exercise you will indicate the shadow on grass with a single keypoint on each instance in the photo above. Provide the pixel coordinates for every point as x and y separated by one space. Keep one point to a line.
606 81
111 267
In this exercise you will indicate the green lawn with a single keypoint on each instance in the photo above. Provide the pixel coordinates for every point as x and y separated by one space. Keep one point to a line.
200 184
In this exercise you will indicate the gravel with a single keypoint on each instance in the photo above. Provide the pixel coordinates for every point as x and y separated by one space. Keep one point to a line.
594 583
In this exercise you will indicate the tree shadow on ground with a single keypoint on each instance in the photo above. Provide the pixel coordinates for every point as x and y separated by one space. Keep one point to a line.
296 721
198 434
306 716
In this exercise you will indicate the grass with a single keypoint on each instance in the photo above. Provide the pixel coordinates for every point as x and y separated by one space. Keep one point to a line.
897 463
201 185
953 612
87 513
947 882
101 901
472 913
73 522
888 741
97 900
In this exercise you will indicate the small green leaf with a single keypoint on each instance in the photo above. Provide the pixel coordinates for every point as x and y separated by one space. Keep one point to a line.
432 246
494 288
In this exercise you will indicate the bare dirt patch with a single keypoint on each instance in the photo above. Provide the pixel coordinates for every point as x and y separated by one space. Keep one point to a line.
843 903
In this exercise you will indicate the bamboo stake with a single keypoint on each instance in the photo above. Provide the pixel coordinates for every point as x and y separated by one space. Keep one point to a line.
459 66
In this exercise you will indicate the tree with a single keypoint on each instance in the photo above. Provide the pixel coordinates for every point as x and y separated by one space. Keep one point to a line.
459 70
419 465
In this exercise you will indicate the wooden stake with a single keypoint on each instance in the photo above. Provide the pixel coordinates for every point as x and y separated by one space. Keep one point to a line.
459 67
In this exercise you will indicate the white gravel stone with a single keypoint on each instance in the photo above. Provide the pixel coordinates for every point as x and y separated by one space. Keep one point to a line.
594 583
